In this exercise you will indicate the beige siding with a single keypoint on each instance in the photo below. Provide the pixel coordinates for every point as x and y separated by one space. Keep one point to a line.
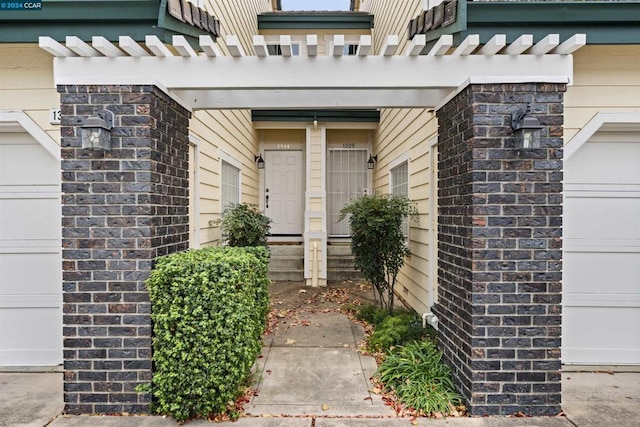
405 132
26 83
606 79
391 17
229 131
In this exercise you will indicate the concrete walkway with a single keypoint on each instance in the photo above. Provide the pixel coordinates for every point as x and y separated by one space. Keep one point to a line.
312 374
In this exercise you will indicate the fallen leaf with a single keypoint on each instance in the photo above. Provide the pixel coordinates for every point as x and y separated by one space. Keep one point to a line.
367 398
290 341
302 291
325 407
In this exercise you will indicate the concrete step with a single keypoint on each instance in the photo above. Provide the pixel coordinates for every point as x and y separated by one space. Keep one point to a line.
286 275
339 250
286 250
343 274
340 262
286 262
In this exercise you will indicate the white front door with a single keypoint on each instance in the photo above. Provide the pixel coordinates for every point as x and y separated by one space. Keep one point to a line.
30 253
601 290
347 180
284 192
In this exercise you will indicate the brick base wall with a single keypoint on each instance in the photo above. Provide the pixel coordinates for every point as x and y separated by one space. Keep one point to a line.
121 209
499 251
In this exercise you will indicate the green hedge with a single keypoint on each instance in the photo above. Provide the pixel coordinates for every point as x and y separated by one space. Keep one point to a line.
209 310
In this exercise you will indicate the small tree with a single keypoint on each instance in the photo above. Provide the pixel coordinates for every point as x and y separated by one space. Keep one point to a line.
243 224
378 241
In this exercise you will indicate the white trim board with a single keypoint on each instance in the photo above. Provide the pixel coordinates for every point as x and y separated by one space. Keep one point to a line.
620 121
19 121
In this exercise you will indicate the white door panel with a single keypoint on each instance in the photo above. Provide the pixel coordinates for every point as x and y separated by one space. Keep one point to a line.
284 196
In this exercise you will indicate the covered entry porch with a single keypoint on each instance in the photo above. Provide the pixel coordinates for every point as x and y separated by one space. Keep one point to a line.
473 93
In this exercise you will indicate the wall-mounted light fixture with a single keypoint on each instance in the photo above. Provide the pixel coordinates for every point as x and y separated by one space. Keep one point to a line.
96 131
371 163
259 161
315 123
526 130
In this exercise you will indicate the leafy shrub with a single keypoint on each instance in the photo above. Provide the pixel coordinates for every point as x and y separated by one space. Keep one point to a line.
243 224
372 314
419 378
377 240
401 328
209 311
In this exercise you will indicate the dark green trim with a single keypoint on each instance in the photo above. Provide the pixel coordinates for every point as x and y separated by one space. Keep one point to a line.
84 19
368 116
315 21
603 22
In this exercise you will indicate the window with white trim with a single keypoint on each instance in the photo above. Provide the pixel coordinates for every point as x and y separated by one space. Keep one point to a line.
230 184
399 186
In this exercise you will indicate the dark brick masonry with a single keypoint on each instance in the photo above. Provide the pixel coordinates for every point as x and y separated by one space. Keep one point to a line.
121 209
499 250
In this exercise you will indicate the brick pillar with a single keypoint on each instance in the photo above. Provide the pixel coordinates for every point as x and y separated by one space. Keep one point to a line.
499 252
121 209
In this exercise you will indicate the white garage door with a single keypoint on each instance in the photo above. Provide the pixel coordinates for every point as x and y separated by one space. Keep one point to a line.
601 301
30 253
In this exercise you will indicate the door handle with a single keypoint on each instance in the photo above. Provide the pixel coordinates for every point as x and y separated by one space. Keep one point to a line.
267 200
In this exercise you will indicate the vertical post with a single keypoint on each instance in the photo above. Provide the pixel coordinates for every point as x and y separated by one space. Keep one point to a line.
499 253
315 215
121 209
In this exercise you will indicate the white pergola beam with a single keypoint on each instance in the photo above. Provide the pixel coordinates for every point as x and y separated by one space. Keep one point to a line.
260 46
285 45
301 98
364 46
104 46
416 45
156 46
441 47
132 47
468 45
80 47
53 47
545 45
300 72
209 47
183 47
337 45
572 44
234 46
494 45
312 44
390 45
519 45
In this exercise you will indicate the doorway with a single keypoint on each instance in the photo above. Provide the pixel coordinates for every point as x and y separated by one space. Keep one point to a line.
283 193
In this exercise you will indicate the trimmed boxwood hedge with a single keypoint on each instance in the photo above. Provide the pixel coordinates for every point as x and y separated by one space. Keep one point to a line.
209 309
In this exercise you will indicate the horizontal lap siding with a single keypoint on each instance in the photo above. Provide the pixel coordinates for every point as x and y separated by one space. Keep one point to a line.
605 80
228 130
402 131
26 83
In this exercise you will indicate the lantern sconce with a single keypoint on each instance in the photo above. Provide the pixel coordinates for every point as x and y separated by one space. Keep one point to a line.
96 131
526 130
259 161
371 163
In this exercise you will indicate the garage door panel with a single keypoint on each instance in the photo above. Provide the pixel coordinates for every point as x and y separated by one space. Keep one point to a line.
601 261
602 272
30 219
17 152
19 277
599 323
24 345
590 165
603 217
30 253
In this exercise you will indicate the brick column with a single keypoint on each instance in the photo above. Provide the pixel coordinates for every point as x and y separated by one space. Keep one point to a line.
121 209
499 252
